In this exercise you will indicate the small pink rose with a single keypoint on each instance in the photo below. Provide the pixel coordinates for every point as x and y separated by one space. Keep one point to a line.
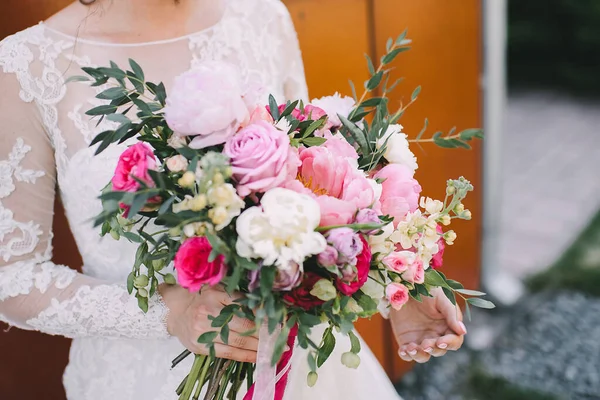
399 261
192 265
260 113
329 257
397 294
134 162
415 273
261 158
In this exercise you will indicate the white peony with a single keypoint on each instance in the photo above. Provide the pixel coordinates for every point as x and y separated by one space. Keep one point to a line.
334 105
281 230
397 150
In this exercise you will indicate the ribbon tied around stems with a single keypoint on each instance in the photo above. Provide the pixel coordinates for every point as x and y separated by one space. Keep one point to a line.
270 381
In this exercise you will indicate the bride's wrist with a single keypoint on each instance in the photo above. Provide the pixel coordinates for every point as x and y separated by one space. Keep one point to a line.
177 299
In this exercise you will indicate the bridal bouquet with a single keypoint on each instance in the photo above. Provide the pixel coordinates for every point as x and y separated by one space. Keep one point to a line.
311 211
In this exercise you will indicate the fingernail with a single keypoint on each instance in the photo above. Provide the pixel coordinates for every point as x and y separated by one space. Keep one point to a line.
443 345
412 352
287 348
403 353
464 328
428 350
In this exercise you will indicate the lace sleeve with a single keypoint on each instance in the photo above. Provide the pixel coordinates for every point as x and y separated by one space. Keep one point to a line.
35 293
295 81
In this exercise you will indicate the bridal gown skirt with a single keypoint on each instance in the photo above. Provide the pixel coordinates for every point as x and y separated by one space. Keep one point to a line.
124 369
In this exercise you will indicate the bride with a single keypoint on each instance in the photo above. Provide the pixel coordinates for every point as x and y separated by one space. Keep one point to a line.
120 353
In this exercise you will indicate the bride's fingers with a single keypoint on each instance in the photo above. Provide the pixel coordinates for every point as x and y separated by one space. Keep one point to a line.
417 354
450 342
231 353
453 316
243 325
404 355
429 346
237 341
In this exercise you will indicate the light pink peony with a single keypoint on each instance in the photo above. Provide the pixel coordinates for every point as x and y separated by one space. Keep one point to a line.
400 193
261 158
334 105
192 265
415 273
134 162
397 294
207 102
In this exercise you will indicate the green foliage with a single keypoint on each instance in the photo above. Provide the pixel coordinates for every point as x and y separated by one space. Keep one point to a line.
554 43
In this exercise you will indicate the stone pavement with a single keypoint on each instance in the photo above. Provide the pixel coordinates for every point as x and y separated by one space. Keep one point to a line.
551 178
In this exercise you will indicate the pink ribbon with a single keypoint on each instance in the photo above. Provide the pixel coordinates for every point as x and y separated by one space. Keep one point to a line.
270 382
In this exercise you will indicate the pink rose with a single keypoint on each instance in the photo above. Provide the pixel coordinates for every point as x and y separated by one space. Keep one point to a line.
134 162
261 158
397 294
438 258
192 265
415 273
363 265
399 261
260 113
329 257
207 102
400 193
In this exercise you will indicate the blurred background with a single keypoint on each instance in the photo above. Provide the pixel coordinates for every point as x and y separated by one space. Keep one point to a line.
526 71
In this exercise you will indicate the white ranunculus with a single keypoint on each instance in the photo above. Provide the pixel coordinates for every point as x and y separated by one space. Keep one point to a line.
334 105
281 230
397 149
177 163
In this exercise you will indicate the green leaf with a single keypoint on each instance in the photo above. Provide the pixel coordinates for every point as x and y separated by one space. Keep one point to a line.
120 118
400 39
370 65
137 70
372 102
143 303
101 136
481 303
130 279
142 106
289 109
468 311
111 93
470 292
469 134
391 88
225 334
389 44
366 302
433 278
274 108
136 82
415 93
102 110
313 141
391 56
450 295
374 81
77 78
423 130
312 362
353 88
313 127
166 206
153 286
207 337
139 202
356 133
280 344
454 284
115 73
132 237
326 348
355 343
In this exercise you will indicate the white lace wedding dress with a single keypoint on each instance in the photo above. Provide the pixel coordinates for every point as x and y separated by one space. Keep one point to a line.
118 352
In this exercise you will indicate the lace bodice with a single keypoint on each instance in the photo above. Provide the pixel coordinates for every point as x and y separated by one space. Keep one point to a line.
44 143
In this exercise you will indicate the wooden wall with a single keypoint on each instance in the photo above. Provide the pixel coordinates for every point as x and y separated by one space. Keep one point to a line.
334 35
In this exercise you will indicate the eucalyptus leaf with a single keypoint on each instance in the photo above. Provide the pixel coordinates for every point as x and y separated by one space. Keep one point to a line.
481 303
415 93
354 342
326 347
470 292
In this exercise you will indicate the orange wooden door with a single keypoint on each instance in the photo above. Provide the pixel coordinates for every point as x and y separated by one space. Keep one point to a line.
445 61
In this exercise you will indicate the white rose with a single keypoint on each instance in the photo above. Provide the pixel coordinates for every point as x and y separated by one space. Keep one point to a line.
177 163
397 150
281 230
176 141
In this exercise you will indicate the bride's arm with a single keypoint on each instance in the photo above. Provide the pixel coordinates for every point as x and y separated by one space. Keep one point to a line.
34 292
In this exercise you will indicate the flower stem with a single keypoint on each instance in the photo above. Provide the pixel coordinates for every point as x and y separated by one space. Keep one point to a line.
192 378
356 227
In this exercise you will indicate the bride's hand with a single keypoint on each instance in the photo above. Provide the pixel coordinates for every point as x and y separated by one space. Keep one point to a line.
426 329
188 319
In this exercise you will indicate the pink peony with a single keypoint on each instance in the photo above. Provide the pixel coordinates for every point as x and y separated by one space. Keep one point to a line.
192 265
399 261
397 294
261 158
339 147
363 265
438 258
207 102
134 162
400 193
415 273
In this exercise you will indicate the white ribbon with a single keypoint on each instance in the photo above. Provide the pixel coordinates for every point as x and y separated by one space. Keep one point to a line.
266 375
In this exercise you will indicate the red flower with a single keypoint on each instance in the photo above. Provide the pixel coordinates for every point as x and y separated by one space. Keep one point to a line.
438 258
192 265
363 265
301 296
